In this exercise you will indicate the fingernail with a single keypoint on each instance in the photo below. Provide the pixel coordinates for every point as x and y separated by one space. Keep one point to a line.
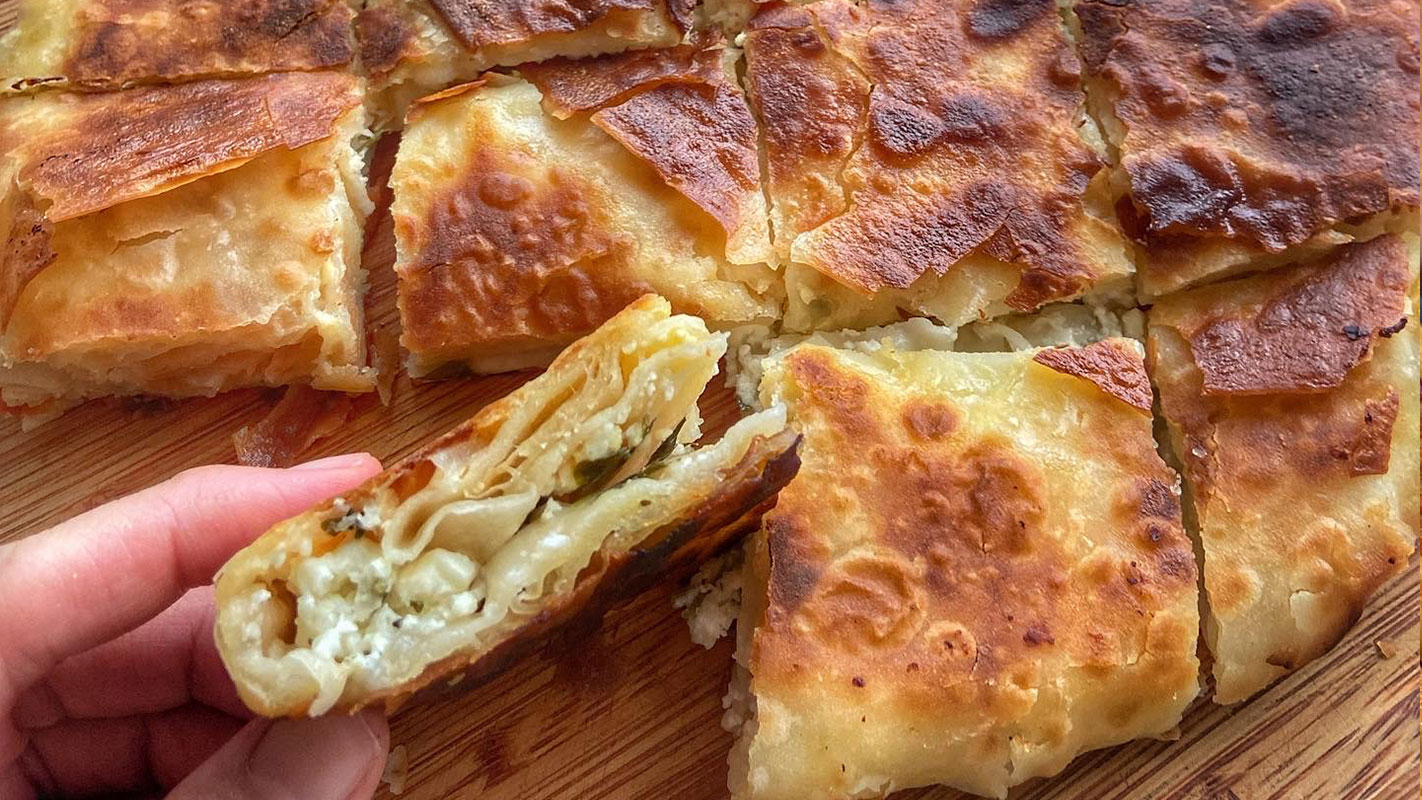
327 758
346 461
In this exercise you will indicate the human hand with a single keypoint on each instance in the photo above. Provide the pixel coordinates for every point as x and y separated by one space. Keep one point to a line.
110 680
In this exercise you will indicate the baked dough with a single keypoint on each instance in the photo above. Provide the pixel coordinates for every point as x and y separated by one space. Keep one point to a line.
1292 404
411 48
574 490
978 573
109 44
524 221
930 156
1254 133
181 240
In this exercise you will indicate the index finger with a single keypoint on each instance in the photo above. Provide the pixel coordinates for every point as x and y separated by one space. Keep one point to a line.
108 570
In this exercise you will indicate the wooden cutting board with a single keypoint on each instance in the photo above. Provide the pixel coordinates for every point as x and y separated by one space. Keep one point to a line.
633 712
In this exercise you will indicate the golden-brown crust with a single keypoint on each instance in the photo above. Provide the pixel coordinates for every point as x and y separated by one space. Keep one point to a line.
507 260
236 274
925 587
27 250
1312 330
980 511
518 232
113 147
1279 396
1263 122
385 36
571 85
481 23
1304 477
812 102
678 109
1108 365
121 42
935 165
700 138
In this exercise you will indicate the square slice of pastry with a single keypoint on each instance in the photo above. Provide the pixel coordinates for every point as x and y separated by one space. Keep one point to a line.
109 44
181 240
578 488
930 157
1254 133
411 48
526 218
1291 399
979 572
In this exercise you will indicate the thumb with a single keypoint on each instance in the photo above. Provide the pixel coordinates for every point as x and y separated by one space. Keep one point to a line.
334 757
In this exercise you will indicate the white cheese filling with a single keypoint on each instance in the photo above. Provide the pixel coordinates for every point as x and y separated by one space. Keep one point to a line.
368 618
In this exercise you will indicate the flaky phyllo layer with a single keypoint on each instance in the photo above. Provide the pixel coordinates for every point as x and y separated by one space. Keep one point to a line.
500 524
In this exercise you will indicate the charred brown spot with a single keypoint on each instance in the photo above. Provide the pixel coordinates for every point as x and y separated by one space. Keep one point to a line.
1393 329
930 420
1298 22
1159 500
1177 562
1217 61
843 398
983 502
1038 634
794 574
1002 19
863 604
902 129
384 37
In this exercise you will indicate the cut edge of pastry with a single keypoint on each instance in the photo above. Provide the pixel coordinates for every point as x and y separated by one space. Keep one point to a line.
546 506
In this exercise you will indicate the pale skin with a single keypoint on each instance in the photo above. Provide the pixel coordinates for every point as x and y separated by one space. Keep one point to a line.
110 682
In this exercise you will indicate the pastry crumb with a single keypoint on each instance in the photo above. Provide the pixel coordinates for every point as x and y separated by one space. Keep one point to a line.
397 769
712 601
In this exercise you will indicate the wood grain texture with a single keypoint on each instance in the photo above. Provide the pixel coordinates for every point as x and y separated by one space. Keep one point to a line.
632 712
